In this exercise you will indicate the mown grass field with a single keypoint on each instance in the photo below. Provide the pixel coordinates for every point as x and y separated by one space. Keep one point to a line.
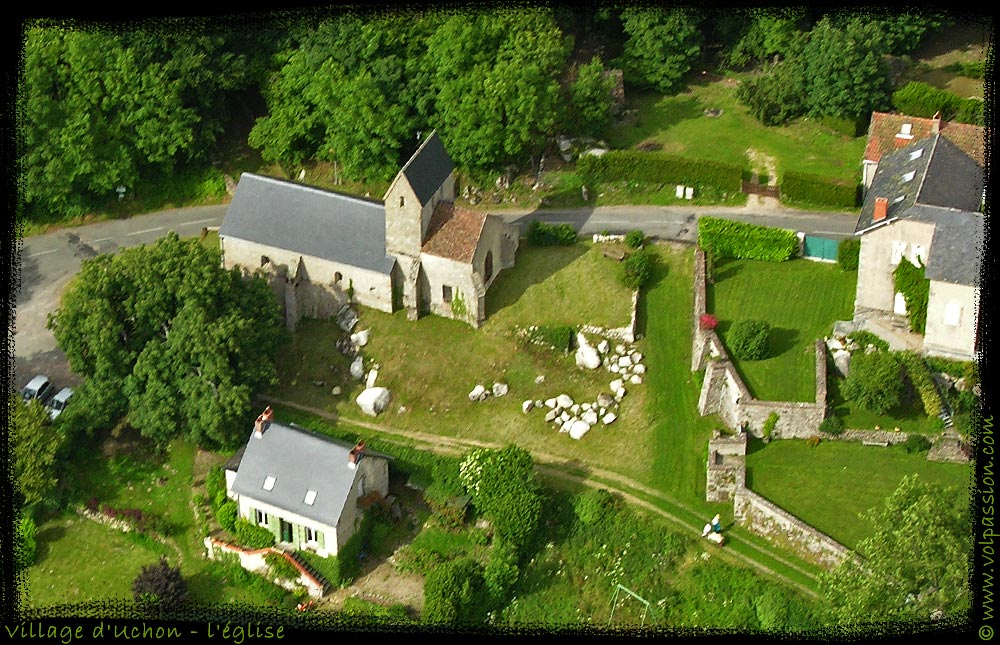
800 300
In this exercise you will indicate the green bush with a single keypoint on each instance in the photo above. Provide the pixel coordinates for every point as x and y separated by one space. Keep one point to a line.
215 486
916 443
769 424
747 339
832 425
636 269
909 280
631 165
501 570
26 545
865 338
974 69
594 505
823 191
920 376
731 239
542 234
252 536
280 567
875 381
847 253
635 239
449 591
920 99
227 515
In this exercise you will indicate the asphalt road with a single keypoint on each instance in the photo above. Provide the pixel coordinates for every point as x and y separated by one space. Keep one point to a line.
50 260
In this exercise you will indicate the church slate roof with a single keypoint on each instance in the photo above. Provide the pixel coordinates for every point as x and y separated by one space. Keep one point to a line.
428 168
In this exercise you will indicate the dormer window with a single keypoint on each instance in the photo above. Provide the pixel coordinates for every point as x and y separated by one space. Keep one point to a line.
905 131
910 175
916 154
269 482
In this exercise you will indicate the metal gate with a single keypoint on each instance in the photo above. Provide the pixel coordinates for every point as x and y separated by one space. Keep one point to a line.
820 248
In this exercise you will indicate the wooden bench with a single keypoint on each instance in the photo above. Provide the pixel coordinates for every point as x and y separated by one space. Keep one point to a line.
869 442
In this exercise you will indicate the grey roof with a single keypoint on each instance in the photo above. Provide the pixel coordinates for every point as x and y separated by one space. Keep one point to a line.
957 247
307 220
940 175
299 461
427 169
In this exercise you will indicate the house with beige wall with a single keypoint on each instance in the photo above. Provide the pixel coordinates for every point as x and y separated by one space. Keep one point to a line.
925 204
309 490
415 249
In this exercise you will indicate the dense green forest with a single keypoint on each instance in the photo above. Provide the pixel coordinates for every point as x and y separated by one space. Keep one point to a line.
103 110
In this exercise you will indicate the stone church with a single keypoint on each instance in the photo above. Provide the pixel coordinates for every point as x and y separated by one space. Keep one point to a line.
414 250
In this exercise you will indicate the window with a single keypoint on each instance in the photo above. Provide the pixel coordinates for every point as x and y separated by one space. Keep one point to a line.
446 293
916 154
953 314
310 497
264 260
337 277
269 482
488 267
899 199
918 255
261 517
898 251
401 201
906 129
910 175
310 534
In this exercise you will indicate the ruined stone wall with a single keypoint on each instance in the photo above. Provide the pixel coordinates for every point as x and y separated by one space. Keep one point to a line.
759 515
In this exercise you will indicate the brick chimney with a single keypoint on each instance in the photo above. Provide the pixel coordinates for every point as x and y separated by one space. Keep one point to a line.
936 123
881 209
263 421
354 456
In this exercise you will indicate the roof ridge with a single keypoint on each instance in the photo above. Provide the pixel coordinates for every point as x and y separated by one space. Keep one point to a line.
314 189
927 169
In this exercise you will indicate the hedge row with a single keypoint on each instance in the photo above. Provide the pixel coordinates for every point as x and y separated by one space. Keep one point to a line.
633 165
725 238
814 189
920 375
921 99
542 234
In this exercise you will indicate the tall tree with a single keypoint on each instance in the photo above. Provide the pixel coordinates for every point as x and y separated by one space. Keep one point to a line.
496 76
661 47
591 98
179 343
916 563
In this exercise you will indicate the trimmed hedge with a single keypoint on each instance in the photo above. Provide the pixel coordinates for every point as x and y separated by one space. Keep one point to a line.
252 536
814 189
747 339
920 375
541 234
724 238
630 165
920 99
637 269
832 425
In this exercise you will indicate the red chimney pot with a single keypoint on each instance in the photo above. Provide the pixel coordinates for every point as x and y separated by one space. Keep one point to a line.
881 209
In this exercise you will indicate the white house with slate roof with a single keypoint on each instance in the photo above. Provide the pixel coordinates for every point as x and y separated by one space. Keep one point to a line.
925 204
307 489
415 249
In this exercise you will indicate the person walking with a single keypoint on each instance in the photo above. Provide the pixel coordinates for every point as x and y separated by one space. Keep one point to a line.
716 523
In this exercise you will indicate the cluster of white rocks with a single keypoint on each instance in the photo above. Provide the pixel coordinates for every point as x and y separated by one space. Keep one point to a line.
619 359
576 419
373 400
480 393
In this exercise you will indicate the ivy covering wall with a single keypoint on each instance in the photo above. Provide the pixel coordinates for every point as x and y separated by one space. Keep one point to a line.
909 280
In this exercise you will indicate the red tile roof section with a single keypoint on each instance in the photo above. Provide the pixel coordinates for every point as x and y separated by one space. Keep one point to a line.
454 232
884 127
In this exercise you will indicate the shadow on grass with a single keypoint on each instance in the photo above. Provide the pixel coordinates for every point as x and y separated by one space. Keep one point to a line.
511 284
658 271
782 340
46 537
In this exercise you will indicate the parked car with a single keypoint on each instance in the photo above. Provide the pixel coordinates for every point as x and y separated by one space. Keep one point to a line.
40 388
59 401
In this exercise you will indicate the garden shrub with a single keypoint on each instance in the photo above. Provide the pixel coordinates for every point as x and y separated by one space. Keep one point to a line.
26 545
227 515
848 252
921 378
659 168
501 570
215 486
865 338
747 339
252 536
909 280
503 487
769 424
280 567
635 239
708 321
449 590
731 239
875 381
923 100
594 505
160 584
832 425
916 443
542 234
636 269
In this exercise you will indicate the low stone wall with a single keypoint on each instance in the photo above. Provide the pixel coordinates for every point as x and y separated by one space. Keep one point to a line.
779 526
724 393
253 560
626 333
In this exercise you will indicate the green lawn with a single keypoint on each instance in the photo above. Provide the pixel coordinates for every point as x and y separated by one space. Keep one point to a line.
828 485
908 417
680 125
800 299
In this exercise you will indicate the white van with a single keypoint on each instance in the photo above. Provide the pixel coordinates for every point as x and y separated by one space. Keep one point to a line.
59 401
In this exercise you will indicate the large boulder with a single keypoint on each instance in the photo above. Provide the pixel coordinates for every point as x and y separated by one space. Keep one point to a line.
605 400
374 400
527 406
609 418
360 338
578 429
358 368
478 393
586 355
347 318
372 375
590 416
500 389
564 401
842 361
